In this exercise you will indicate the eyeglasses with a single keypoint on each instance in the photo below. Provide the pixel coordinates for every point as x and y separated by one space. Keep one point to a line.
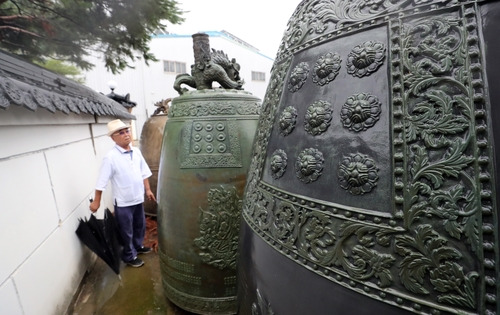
122 132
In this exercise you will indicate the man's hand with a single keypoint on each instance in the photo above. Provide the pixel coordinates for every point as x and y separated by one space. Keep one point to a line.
94 205
150 195
96 202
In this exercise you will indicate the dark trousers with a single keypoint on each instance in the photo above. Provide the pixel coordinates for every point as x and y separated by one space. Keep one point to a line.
132 225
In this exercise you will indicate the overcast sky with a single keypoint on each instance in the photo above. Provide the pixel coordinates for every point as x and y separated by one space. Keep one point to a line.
260 23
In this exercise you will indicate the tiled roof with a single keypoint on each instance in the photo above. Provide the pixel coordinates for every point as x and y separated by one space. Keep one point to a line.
32 87
124 100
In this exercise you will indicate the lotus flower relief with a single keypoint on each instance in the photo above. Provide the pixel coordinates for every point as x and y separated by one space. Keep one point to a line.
357 174
318 117
309 165
298 77
287 120
326 68
278 163
366 58
360 112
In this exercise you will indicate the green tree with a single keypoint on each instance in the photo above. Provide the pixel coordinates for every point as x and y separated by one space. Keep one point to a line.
69 29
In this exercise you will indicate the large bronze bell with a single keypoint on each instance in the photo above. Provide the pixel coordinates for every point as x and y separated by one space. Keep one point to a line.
373 187
151 141
204 161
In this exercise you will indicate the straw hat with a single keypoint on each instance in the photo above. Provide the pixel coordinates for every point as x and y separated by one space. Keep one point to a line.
116 125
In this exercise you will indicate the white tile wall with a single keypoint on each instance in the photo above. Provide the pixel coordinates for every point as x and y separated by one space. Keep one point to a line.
28 213
48 170
47 281
9 300
22 139
69 167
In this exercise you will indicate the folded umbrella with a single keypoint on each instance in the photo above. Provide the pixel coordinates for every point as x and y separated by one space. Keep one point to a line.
101 236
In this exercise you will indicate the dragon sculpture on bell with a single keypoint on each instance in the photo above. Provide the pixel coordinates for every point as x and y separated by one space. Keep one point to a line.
209 67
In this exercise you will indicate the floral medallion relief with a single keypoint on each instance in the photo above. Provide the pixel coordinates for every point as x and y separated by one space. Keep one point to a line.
363 60
298 77
318 117
279 161
327 67
309 165
360 112
366 58
358 173
288 120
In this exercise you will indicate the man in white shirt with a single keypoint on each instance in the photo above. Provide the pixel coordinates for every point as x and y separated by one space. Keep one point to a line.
128 172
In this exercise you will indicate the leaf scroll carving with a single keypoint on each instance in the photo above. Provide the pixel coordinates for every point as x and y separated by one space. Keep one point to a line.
438 126
426 255
315 18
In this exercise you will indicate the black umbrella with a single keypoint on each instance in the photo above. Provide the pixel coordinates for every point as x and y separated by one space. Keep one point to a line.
101 236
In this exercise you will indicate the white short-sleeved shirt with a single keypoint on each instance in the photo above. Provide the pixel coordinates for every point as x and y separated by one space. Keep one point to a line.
126 170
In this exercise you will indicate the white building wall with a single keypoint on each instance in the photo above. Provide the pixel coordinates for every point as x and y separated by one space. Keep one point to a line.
48 164
149 84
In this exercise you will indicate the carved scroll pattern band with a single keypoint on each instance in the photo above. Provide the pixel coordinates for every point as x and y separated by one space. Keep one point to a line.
214 108
198 304
180 273
428 255
183 285
319 20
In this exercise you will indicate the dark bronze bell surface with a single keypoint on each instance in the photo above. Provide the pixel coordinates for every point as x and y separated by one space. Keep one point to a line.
373 183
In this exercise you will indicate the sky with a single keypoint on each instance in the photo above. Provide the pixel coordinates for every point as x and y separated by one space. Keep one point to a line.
260 23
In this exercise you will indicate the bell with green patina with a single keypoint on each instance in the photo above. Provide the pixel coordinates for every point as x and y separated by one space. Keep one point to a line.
205 157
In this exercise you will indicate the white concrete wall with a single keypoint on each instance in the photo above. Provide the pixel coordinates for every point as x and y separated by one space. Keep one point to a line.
48 167
149 84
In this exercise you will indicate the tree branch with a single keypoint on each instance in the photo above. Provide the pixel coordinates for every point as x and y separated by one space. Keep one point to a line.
20 30
15 17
